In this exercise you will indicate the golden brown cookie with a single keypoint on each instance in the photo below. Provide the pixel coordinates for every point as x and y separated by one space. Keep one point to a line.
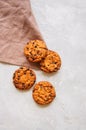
24 78
51 63
43 93
35 50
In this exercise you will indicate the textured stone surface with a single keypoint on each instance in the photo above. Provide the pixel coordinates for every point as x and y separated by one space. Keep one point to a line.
63 26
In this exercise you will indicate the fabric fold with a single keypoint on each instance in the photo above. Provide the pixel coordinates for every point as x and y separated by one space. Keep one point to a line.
17 27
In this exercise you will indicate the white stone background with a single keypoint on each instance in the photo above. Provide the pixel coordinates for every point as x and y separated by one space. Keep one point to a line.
63 26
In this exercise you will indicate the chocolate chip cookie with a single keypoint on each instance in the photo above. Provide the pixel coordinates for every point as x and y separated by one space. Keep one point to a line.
35 50
43 93
24 78
51 63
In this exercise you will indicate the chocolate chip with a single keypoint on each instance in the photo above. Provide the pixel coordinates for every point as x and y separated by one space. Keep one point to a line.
18 78
31 73
35 46
25 71
31 53
28 84
33 58
54 62
38 51
34 54
27 48
23 84
21 67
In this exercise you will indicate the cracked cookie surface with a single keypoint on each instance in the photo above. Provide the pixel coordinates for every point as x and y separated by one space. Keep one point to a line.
51 63
43 93
35 50
24 78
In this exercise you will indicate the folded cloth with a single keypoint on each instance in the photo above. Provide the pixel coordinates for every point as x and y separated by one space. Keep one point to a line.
17 27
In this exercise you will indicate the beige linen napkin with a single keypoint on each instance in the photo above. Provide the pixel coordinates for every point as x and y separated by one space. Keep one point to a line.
17 27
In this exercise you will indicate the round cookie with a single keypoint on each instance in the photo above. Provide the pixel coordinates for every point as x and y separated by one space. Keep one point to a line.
43 93
24 78
35 50
51 63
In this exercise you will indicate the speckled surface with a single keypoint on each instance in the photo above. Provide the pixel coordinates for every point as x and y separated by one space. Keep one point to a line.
63 26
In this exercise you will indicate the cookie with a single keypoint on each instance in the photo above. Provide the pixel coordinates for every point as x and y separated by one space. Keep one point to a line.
35 50
43 93
51 63
24 78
